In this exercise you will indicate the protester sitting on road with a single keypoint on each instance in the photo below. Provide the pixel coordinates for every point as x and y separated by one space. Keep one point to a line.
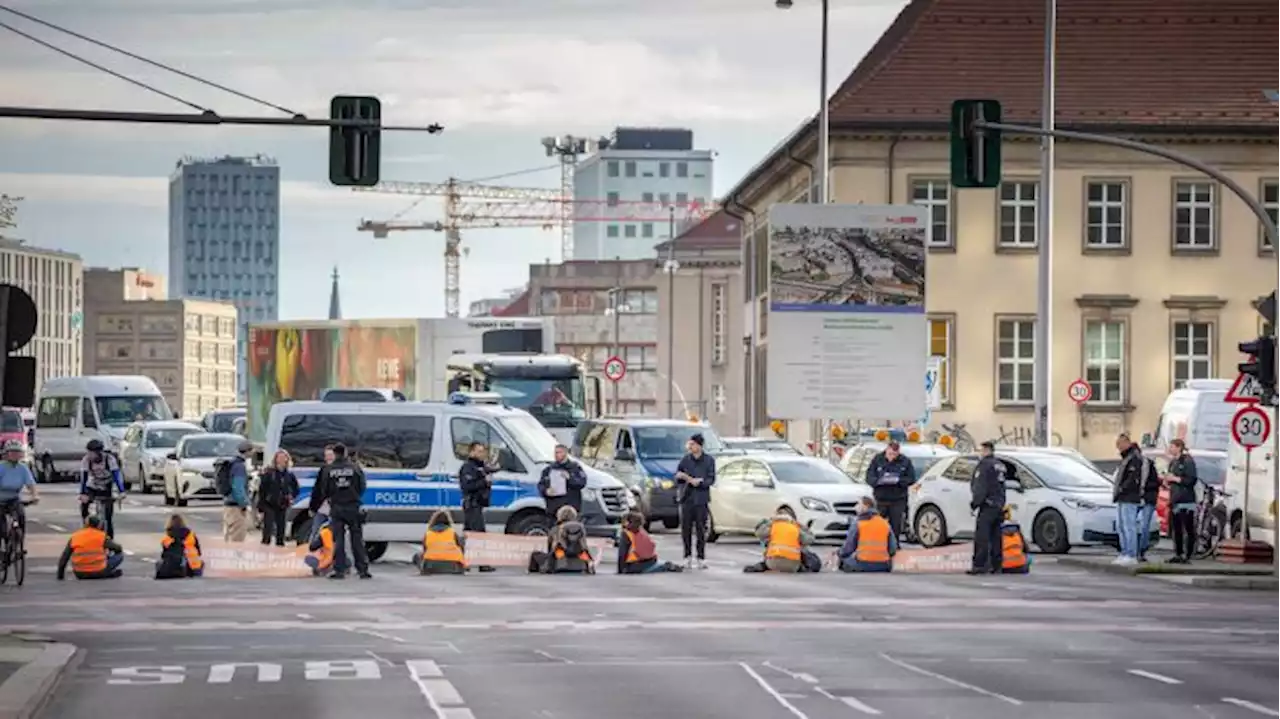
567 551
180 554
871 544
321 557
443 547
637 553
1014 557
91 553
785 543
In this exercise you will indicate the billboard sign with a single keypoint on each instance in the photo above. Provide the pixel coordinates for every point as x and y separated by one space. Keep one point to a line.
848 336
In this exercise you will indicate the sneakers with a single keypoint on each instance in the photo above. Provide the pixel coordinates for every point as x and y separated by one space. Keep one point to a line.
702 564
688 563
1124 561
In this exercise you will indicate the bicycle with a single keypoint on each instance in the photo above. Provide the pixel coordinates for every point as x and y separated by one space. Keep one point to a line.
13 544
963 440
100 508
1211 522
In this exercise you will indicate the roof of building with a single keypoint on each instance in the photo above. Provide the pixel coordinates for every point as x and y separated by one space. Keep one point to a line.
1138 65
718 230
15 245
519 307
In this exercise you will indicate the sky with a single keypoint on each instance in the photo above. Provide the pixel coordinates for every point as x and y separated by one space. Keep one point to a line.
498 74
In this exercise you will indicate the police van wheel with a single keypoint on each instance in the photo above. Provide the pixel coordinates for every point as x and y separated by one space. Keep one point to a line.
375 550
671 523
533 524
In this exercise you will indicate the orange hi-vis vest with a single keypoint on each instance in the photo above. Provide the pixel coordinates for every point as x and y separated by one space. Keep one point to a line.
873 540
442 546
324 555
634 540
784 541
88 551
194 560
1015 554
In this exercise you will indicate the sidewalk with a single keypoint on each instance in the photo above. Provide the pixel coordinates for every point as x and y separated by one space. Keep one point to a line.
1198 573
30 668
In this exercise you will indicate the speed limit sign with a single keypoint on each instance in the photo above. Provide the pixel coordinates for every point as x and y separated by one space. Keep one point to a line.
1251 427
1079 391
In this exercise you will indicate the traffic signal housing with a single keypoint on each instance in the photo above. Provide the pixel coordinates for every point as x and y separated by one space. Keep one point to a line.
18 319
975 152
355 153
1261 365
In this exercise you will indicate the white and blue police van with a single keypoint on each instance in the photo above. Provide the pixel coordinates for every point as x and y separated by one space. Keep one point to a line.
411 453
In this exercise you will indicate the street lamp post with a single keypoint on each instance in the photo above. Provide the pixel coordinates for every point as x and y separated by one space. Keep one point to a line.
670 268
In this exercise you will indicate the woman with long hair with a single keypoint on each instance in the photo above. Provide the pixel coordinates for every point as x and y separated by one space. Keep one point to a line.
180 555
443 547
277 488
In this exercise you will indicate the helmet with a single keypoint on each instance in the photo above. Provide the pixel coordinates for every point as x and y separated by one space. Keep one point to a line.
95 445
14 445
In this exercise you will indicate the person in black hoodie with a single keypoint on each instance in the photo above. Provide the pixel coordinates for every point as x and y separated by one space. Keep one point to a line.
987 499
1181 481
277 486
1131 477
695 476
562 483
475 479
890 475
180 554
342 484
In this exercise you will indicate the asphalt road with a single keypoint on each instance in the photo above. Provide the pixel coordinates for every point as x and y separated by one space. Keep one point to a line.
1057 644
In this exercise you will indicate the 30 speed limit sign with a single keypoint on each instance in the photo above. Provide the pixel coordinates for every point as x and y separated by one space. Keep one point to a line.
1251 427
1079 391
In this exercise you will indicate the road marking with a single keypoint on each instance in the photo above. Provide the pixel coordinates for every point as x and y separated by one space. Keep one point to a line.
55 527
1152 675
996 660
378 635
552 657
130 552
807 678
425 674
305 616
849 702
379 658
773 692
953 682
1265 711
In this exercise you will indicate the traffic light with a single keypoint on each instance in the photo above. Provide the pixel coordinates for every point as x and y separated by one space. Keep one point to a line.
355 153
18 317
1261 365
975 153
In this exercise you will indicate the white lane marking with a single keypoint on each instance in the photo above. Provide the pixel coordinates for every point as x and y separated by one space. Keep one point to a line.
850 702
1265 711
552 657
807 678
55 527
953 682
423 672
996 660
378 635
379 658
1152 675
304 616
130 552
452 647
773 692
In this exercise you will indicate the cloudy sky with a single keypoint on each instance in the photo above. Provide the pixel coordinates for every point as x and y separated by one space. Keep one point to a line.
498 74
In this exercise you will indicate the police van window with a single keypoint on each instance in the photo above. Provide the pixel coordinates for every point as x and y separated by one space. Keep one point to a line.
304 436
465 431
394 442
87 419
56 412
582 437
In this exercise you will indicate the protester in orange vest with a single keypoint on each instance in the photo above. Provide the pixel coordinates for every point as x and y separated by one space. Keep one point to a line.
443 547
1015 559
180 554
321 558
567 551
91 553
870 545
637 554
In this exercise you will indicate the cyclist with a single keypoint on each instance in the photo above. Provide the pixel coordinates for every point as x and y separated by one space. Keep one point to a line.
15 476
99 477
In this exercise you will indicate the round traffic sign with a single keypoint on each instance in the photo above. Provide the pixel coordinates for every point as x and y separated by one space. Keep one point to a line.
1079 391
1251 427
21 317
615 369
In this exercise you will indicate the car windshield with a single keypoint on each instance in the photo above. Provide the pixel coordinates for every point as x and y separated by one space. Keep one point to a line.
760 445
224 421
10 421
532 437
1065 472
207 447
124 411
555 403
808 471
167 438
670 441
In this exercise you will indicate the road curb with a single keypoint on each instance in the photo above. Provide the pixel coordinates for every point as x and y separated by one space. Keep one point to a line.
1219 581
27 690
1208 577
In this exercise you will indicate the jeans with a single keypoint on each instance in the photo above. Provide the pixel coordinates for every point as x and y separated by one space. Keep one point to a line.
1143 529
1127 528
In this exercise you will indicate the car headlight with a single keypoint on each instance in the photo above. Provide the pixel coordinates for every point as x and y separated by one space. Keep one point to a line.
632 502
666 484
1083 505
590 495
814 504
155 461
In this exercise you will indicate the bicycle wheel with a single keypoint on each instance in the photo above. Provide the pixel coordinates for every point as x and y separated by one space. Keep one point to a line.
18 556
1209 534
4 558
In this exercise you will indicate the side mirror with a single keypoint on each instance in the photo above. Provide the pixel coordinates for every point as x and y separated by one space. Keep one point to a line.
177 414
172 455
762 483
624 455
1013 485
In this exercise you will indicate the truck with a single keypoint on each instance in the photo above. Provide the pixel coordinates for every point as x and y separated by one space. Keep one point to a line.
300 360
555 389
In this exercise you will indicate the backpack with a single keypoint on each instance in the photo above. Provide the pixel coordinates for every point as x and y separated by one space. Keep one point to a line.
222 478
573 539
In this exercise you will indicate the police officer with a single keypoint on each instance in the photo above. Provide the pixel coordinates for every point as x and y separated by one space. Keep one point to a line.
475 479
890 476
987 499
342 484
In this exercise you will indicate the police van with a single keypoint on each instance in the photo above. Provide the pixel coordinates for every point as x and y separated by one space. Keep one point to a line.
411 453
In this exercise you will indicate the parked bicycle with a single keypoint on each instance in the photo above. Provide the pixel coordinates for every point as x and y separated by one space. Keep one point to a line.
13 543
1211 522
964 440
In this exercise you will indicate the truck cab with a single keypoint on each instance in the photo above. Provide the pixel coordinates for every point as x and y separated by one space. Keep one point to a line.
555 389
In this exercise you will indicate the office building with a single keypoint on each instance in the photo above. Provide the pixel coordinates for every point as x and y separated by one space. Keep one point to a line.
625 188
55 281
224 237
103 285
490 306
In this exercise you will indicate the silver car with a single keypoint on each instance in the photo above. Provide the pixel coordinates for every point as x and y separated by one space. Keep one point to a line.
144 448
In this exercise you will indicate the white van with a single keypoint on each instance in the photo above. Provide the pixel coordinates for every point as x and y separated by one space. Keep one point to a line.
1262 486
71 411
1198 414
411 453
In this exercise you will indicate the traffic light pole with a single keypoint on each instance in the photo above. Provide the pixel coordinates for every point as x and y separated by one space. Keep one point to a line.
4 338
1188 161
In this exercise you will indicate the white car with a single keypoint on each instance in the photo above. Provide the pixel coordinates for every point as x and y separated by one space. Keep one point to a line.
751 488
857 458
189 469
1059 501
759 445
144 450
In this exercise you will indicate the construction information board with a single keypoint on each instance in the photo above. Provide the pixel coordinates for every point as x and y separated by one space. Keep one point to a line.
847 328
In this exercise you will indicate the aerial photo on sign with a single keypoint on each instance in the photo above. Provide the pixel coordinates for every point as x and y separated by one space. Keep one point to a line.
859 265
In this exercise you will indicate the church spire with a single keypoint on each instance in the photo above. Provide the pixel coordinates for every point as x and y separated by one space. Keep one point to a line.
335 307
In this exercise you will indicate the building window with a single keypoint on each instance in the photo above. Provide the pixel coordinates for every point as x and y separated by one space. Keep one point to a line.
611 231
647 198
719 292
611 199
1106 211
1193 216
940 341
629 168
637 302
1018 214
611 168
664 198
719 402
935 197
1015 353
1271 201
646 230
682 169
1104 360
1192 352
640 359
664 169
629 230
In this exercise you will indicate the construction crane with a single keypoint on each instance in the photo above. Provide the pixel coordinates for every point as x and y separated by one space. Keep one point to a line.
568 148
470 205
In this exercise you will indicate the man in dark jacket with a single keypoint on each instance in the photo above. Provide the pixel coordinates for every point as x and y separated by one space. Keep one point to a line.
987 499
1181 481
890 476
342 484
695 475
562 483
1147 509
1131 477
475 479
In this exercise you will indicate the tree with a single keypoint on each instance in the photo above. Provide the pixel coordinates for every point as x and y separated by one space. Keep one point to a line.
8 211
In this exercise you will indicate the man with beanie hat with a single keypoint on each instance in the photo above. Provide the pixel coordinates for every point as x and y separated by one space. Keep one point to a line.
695 474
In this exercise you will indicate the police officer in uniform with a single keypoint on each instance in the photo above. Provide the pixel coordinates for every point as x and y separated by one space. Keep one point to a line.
987 499
342 484
475 479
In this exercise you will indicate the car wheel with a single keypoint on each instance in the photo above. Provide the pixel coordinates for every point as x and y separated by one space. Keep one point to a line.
931 527
375 550
142 480
671 523
168 498
534 524
1049 533
180 502
712 534
47 471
